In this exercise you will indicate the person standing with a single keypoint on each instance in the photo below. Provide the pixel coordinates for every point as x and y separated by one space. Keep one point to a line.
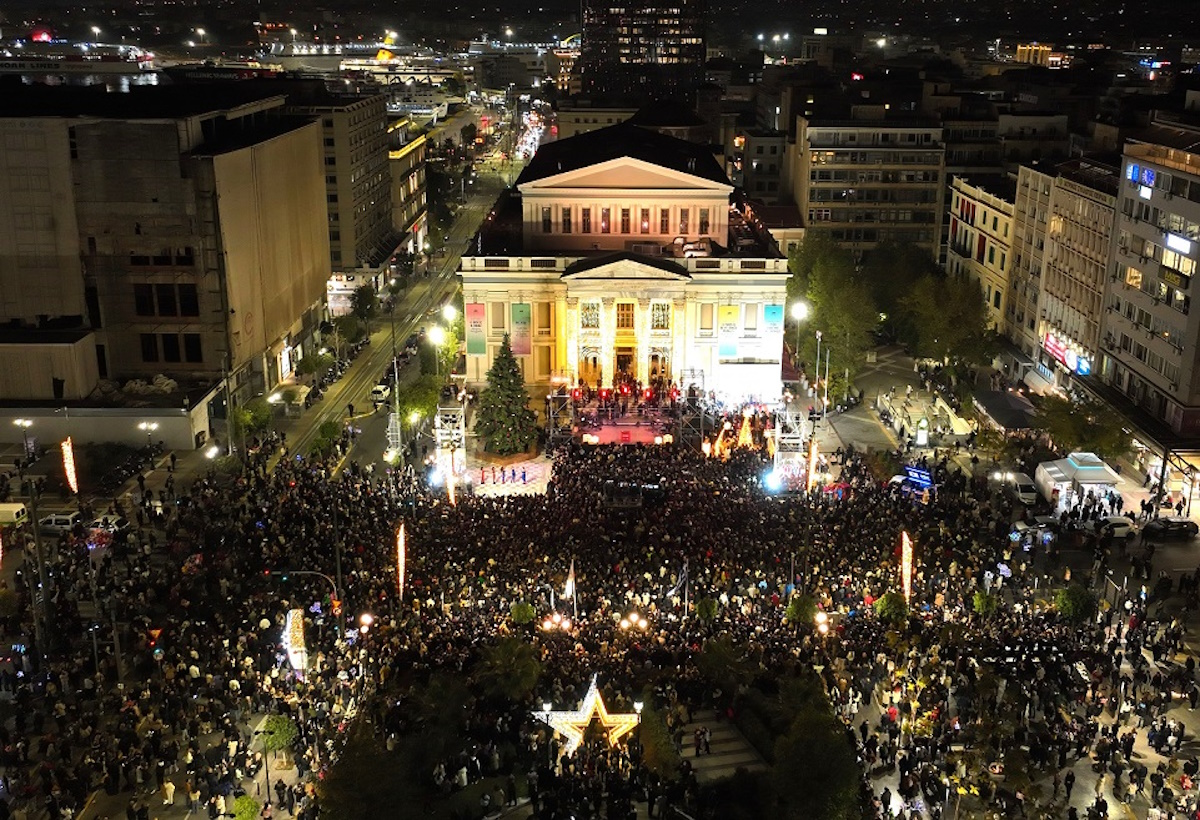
168 792
1069 783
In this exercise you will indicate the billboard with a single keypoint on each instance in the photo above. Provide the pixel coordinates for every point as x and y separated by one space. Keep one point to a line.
521 340
773 319
476 314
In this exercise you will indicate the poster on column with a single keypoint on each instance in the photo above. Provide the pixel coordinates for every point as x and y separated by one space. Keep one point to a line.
773 320
476 338
522 344
727 331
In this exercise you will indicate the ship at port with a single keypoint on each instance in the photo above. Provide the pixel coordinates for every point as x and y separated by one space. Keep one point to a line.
38 59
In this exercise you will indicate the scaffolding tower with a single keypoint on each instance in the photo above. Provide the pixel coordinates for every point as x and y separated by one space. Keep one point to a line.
560 414
792 430
450 429
692 408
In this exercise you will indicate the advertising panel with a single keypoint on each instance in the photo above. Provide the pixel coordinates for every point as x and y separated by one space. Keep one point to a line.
522 342
476 335
727 331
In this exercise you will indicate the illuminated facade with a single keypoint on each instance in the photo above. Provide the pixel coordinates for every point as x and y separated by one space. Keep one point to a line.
980 241
622 253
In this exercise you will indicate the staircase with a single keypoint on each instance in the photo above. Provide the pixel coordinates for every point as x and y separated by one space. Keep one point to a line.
730 751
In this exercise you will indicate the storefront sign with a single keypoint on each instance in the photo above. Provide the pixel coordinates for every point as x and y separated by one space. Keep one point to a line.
1173 278
1065 353
476 336
727 331
521 339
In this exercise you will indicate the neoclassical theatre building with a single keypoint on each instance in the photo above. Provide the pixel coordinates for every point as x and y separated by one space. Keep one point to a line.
623 253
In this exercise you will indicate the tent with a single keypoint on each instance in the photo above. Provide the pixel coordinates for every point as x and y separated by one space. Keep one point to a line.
1067 481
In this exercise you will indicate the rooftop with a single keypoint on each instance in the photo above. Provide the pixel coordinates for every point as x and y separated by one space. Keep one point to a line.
141 102
1100 173
622 140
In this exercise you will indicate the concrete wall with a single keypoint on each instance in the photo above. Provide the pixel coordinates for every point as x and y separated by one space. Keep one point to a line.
39 245
274 235
27 371
178 429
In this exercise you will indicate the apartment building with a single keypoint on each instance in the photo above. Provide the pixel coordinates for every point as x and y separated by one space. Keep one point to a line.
981 236
1031 217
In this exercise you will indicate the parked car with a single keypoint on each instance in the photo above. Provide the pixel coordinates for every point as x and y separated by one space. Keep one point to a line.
1114 526
1172 527
58 523
380 393
109 523
1042 523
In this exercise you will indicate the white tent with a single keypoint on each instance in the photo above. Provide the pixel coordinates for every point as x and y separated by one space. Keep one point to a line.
1069 480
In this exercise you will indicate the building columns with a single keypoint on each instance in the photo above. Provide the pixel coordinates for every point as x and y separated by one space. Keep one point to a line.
569 311
641 327
608 339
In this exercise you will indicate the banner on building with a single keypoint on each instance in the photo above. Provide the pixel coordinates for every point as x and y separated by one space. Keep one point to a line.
727 331
476 335
522 343
773 319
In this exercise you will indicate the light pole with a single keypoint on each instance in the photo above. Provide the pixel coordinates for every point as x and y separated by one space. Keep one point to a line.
284 573
95 31
437 337
266 762
799 313
203 35
818 367
294 32
148 427
24 424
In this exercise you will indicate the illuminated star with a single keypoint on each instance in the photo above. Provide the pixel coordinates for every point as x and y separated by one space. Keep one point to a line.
571 724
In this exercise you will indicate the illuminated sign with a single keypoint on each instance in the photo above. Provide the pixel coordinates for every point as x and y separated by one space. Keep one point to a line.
1133 172
1065 353
918 477
293 640
1178 243
1148 177
1145 192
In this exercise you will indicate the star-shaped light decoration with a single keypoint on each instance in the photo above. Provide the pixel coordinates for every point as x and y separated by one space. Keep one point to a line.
571 724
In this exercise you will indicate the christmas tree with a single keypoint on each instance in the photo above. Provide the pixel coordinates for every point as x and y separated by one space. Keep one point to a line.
504 420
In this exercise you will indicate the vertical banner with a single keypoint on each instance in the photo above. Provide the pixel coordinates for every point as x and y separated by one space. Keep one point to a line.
773 319
476 338
522 343
727 331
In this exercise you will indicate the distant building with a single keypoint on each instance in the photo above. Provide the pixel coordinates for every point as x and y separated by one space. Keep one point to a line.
1033 54
643 49
176 231
622 255
981 236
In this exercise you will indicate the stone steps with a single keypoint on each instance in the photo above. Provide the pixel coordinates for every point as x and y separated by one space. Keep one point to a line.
730 751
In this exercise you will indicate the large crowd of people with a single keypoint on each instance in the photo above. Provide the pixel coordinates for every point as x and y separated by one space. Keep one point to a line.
985 687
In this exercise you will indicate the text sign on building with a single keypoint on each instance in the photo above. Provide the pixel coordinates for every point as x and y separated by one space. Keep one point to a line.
521 341
773 319
727 331
1063 352
476 335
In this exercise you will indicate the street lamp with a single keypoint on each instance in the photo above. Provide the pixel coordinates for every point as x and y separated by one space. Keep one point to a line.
437 337
203 34
449 313
294 33
148 427
365 620
822 621
24 424
95 31
799 313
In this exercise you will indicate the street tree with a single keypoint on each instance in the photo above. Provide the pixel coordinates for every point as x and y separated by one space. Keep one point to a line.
504 421
1083 424
945 319
364 302
508 669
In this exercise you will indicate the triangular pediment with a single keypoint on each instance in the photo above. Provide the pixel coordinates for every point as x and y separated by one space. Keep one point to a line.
625 266
626 173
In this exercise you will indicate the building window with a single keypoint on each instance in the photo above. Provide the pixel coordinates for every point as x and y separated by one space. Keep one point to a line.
625 316
1133 277
547 223
498 318
664 221
566 220
605 216
542 316
624 220
149 347
587 220
704 221
165 294
645 220
170 347
143 300
660 316
683 221
191 348
706 318
589 315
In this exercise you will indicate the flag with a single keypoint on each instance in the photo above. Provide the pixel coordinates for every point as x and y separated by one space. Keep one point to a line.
570 590
683 579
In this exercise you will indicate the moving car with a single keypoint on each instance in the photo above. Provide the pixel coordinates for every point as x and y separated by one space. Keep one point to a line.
1172 527
380 393
58 523
1114 526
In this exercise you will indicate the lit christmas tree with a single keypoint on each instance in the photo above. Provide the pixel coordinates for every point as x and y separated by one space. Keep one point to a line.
504 420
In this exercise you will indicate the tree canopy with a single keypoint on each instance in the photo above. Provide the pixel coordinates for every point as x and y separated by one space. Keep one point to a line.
1083 425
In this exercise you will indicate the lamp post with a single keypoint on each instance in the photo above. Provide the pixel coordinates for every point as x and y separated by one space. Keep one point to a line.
148 427
203 36
799 313
266 762
24 424
818 367
95 31
437 337
294 33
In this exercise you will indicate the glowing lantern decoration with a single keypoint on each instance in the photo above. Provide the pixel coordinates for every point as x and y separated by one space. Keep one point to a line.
68 456
812 462
906 564
572 724
293 640
745 435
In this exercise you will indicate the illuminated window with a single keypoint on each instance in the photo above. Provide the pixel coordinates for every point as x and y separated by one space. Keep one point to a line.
706 318
625 316
1133 277
605 216
660 316
587 220
625 220
589 315
683 221
664 221
645 220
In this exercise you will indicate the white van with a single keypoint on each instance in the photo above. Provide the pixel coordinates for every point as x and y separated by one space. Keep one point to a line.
13 514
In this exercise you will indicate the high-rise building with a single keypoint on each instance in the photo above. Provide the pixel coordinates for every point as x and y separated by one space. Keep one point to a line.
176 231
1032 217
981 235
643 48
1151 335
